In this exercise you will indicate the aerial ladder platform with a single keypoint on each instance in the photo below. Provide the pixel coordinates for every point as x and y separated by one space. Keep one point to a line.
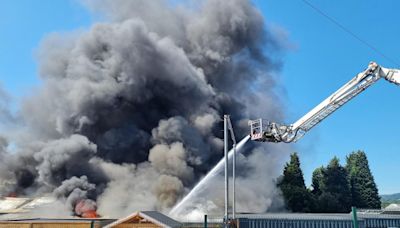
265 131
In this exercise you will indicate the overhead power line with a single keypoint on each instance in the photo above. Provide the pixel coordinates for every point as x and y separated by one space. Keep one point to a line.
348 31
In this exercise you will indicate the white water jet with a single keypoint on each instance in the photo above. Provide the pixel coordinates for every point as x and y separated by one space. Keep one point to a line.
203 182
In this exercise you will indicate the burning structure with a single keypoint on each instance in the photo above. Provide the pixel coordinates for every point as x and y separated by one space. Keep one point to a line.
128 114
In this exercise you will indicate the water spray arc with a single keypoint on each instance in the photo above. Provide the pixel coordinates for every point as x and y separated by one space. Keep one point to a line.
203 182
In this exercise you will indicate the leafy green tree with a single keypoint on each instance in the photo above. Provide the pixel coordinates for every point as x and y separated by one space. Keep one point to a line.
297 197
363 188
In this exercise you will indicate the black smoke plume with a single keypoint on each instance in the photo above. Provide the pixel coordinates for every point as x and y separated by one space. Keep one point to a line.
129 111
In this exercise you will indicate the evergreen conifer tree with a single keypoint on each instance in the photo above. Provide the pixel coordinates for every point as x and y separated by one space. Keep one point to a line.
297 197
363 188
331 191
336 186
317 181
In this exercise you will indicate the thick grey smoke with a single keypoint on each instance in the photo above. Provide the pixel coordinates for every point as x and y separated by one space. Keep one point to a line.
74 190
129 111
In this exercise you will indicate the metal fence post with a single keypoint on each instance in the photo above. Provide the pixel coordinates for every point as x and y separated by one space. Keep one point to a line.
355 220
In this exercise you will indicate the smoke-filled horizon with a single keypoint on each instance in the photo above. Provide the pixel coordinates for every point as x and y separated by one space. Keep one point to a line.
128 116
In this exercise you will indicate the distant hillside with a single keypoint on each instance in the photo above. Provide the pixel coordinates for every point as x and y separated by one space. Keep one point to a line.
391 198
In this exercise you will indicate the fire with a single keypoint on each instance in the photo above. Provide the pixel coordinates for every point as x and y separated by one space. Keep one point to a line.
12 194
86 208
90 214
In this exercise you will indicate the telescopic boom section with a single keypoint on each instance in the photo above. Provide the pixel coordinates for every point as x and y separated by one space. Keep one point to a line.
265 131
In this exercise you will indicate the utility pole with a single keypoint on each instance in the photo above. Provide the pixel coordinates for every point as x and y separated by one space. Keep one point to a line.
233 168
228 126
226 170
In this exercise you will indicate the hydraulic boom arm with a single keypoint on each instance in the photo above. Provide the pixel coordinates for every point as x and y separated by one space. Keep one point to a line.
274 132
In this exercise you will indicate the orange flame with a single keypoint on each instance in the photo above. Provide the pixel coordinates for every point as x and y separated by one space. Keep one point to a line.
86 208
90 214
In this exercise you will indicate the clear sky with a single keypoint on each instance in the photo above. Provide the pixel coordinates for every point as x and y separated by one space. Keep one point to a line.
321 58
23 24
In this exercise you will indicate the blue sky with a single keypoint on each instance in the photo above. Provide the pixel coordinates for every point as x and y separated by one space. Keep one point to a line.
321 58
23 24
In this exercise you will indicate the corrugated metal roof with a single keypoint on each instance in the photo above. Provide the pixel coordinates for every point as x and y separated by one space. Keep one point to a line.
317 216
48 221
297 216
37 202
98 222
379 216
162 218
302 220
393 207
14 207
11 203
